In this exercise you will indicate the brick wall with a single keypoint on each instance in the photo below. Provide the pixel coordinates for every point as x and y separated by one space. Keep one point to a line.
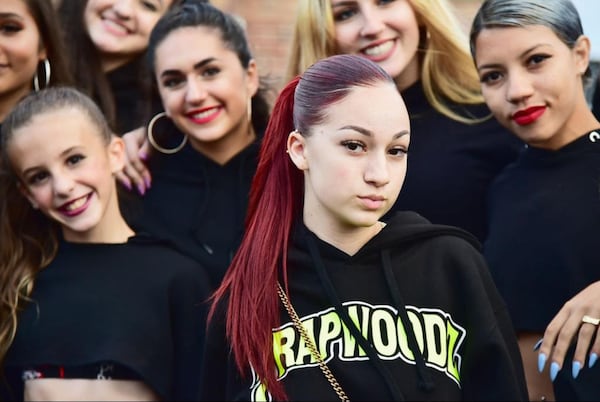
269 26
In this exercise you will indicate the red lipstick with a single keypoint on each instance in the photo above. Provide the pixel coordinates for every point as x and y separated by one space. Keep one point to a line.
529 115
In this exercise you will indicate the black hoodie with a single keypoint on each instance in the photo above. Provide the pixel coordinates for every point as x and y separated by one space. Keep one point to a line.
197 203
430 276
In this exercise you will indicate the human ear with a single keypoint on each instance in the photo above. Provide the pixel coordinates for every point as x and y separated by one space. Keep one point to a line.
296 148
253 80
116 154
42 54
581 50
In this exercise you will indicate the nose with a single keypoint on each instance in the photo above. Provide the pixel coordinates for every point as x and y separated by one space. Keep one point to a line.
123 8
196 92
62 184
377 172
519 87
373 23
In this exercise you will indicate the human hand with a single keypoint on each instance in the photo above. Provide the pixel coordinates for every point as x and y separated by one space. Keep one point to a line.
135 172
577 317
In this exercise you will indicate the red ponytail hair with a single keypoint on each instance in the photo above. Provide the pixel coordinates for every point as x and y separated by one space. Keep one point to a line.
251 280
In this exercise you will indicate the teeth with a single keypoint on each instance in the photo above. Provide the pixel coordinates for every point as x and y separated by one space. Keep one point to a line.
76 204
204 114
379 49
116 26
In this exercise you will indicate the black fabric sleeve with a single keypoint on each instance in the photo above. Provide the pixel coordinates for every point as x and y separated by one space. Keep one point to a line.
492 352
188 325
216 358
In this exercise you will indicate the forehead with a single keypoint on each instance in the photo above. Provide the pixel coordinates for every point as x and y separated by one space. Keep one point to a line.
190 45
15 7
513 42
50 133
378 105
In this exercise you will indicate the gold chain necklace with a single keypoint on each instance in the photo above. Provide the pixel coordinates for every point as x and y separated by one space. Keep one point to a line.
310 344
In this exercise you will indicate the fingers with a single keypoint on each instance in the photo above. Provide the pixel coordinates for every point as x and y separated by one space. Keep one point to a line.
136 179
569 325
135 169
145 149
586 333
124 180
143 154
595 350
551 336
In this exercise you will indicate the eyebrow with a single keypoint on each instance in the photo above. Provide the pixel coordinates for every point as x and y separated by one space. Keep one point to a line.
369 133
341 3
63 153
523 54
198 65
11 15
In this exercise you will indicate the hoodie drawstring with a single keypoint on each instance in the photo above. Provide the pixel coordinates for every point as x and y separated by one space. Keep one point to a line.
360 338
425 380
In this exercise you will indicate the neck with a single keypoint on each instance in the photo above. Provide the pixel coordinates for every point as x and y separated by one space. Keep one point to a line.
347 239
409 75
112 62
224 149
582 121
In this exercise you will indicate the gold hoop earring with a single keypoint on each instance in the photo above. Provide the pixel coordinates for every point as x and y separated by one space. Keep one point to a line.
250 109
155 144
47 74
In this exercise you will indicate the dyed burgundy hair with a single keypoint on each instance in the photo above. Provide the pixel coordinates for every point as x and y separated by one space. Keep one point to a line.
276 199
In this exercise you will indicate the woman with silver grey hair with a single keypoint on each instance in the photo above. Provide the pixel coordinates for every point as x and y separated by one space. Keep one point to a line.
533 58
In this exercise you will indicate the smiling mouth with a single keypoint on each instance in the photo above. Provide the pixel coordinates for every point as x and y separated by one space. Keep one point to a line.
204 116
76 206
114 27
378 50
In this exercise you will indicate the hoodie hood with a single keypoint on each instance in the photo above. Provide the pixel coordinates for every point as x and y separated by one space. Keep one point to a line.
407 227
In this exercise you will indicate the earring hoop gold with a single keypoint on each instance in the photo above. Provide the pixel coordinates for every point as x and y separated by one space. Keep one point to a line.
155 144
249 111
47 74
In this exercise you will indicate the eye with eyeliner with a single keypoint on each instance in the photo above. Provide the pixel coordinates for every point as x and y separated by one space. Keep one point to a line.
354 146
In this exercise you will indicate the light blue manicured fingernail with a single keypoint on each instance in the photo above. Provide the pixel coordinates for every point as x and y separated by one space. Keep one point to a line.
541 362
538 344
593 358
575 369
554 369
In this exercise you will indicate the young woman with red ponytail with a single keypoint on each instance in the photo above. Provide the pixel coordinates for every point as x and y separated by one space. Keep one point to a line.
323 300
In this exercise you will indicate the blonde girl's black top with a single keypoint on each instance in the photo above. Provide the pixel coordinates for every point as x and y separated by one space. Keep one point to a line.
137 306
452 164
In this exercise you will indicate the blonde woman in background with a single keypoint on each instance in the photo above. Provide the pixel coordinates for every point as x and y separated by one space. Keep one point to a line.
457 148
